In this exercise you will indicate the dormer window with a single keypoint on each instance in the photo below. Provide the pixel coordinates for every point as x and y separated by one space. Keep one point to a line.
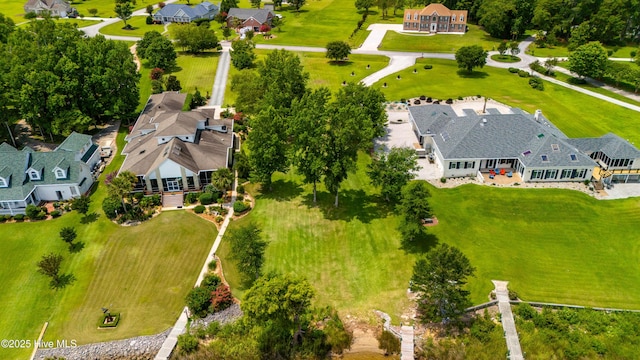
3 182
461 17
34 175
60 174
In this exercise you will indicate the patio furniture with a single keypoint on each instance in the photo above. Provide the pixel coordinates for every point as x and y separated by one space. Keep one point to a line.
502 171
492 174
509 174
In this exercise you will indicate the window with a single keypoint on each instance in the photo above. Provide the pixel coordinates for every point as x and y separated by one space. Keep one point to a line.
566 173
415 17
408 16
33 175
454 165
469 164
550 174
555 147
528 152
573 157
3 183
461 17
453 18
537 174
60 174
545 158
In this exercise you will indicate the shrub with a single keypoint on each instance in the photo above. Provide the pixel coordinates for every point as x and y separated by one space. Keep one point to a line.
240 207
586 182
523 73
198 301
18 217
428 67
221 298
211 281
187 343
513 295
7 217
55 214
138 196
429 99
34 212
460 98
513 70
192 198
449 101
219 219
2 218
212 265
536 83
149 20
199 209
240 189
389 343
206 199
443 180
111 207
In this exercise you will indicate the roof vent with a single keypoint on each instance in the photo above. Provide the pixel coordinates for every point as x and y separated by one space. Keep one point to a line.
484 121
536 116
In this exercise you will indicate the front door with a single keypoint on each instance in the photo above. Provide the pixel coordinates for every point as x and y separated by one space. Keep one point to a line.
173 185
433 27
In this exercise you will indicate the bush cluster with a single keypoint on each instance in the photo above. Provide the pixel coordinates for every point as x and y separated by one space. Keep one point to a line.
536 83
428 67
513 70
18 217
191 198
523 73
206 199
240 207
199 209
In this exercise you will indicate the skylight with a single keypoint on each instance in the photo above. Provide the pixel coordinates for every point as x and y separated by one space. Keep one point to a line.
573 157
555 147
445 136
540 136
528 152
544 157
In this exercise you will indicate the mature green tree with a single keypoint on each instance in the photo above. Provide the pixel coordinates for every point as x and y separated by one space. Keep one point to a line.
68 234
503 47
121 186
143 44
49 266
81 204
280 304
307 133
267 143
469 57
256 3
7 26
248 247
365 5
242 55
297 4
634 78
580 35
610 22
124 9
372 101
589 60
148 9
277 22
338 50
222 179
384 5
439 280
249 93
398 5
172 83
197 99
226 32
282 79
513 48
161 54
225 5
392 171
618 71
413 207
195 39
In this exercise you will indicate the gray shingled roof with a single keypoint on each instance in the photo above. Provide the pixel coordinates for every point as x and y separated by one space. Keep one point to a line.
496 135
610 144
261 15
198 11
74 142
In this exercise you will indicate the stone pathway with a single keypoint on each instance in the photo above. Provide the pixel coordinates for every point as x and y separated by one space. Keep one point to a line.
508 324
406 348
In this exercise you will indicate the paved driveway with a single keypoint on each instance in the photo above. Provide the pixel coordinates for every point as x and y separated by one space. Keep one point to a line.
400 134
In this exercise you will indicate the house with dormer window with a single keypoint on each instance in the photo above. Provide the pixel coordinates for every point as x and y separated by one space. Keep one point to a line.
435 18
171 150
182 13
29 177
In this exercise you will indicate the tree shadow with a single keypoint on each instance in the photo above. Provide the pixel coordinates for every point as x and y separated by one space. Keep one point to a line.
89 218
63 281
352 204
204 54
281 190
472 75
340 62
420 245
76 247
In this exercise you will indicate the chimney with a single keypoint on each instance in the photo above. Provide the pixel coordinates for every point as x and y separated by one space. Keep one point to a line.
536 116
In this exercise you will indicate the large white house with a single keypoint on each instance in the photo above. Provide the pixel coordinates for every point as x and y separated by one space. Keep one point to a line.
28 176
171 150
525 145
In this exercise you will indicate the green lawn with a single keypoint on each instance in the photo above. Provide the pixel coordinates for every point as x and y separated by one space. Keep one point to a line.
317 23
110 272
139 24
105 7
552 245
323 72
78 22
577 115
566 78
13 9
438 43
563 51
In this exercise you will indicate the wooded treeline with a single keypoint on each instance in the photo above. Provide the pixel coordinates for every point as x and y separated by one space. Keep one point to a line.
60 81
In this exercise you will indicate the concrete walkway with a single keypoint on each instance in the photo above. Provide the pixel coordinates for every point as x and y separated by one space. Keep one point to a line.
222 73
378 31
180 325
596 83
406 347
508 324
